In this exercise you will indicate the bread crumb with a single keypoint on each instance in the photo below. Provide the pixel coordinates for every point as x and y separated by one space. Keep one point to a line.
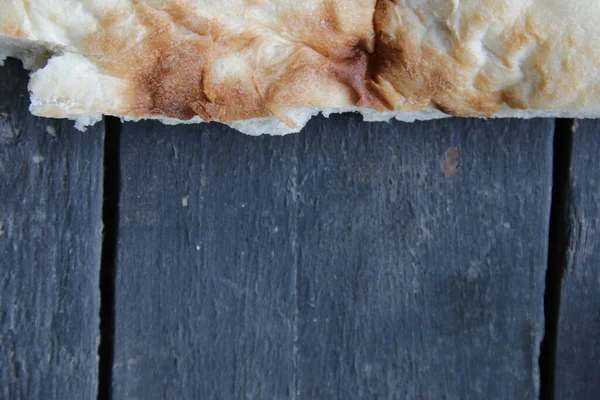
50 130
37 159
185 201
575 126
450 162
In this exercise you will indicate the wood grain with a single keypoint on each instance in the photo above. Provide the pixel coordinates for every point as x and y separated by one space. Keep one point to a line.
412 285
353 260
205 289
50 240
577 367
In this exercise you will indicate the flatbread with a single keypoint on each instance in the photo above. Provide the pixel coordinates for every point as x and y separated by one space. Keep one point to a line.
268 66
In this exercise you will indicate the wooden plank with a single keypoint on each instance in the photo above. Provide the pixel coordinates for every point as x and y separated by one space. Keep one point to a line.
50 240
413 285
577 368
353 260
205 281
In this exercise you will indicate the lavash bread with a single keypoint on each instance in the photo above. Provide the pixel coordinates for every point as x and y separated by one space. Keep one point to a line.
268 66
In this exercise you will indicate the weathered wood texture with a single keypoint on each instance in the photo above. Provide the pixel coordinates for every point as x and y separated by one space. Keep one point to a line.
50 241
205 293
578 355
337 263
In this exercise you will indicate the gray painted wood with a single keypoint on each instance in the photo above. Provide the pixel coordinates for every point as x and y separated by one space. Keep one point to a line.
353 260
578 354
412 285
205 281
50 240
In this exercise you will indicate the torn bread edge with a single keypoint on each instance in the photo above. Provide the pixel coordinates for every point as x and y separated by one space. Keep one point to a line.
35 55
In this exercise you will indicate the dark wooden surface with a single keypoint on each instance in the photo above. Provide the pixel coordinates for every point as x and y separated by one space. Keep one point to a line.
50 240
578 356
351 261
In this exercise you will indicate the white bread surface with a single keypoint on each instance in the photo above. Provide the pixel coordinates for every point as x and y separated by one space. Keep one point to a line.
264 66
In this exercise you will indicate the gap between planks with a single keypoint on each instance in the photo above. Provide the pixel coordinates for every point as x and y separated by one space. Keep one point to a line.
558 246
110 218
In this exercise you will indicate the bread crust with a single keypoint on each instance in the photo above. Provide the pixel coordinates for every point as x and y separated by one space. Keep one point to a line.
236 60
